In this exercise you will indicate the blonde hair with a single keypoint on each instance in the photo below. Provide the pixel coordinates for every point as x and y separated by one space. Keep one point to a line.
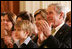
25 25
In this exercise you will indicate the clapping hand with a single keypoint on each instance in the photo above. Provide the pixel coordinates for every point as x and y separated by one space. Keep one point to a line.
44 30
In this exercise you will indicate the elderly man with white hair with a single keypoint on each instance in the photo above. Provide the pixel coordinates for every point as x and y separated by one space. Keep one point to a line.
60 37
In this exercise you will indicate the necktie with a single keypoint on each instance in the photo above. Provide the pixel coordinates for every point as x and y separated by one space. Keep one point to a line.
53 31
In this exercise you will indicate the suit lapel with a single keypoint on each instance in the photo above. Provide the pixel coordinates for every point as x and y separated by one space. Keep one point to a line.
63 31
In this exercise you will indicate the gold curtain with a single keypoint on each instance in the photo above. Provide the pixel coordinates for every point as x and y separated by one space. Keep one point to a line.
32 6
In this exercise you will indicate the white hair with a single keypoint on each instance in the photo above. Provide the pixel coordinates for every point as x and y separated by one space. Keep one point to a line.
60 8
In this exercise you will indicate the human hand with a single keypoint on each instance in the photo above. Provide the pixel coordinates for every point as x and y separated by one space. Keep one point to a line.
44 27
41 37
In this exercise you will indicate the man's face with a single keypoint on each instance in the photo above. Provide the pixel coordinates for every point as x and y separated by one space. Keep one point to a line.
53 16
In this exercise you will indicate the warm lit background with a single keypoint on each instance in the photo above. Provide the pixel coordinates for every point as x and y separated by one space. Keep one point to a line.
30 6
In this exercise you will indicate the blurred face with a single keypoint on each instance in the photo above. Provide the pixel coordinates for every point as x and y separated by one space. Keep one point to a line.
19 33
52 17
7 23
39 17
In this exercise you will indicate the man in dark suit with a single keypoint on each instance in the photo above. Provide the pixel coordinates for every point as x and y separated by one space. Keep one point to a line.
61 38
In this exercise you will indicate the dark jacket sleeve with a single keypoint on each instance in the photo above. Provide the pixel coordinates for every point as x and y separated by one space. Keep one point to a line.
52 42
62 39
15 46
32 44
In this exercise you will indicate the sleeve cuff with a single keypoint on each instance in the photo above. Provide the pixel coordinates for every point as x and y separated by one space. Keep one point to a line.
27 40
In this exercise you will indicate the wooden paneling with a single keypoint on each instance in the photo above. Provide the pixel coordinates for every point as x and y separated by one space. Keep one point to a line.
12 6
16 7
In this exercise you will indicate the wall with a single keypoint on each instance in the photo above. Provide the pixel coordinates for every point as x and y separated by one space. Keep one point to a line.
32 6
12 6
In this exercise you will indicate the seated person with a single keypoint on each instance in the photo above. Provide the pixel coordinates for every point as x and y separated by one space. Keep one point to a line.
40 14
23 35
24 15
7 27
3 45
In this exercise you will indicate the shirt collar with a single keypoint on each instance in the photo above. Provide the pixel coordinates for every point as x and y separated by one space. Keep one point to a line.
58 27
17 43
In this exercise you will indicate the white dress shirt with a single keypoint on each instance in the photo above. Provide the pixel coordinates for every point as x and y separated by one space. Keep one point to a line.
57 28
25 42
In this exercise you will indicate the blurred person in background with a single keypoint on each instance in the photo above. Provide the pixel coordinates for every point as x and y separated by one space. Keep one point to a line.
40 14
23 33
9 20
24 15
68 18
2 27
3 33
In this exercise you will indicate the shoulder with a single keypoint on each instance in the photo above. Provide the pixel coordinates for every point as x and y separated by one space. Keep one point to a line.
65 28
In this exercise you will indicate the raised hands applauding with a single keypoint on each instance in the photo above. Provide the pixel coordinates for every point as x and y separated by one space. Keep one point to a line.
44 30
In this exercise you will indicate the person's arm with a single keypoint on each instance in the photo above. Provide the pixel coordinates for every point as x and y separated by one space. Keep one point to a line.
52 42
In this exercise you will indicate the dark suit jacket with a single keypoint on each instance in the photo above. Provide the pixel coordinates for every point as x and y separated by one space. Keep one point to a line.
31 44
35 39
62 39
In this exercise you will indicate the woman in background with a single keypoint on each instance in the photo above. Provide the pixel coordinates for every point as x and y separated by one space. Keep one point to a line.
9 20
3 33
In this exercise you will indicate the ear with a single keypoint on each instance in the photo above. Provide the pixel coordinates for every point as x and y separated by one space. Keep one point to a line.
61 15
